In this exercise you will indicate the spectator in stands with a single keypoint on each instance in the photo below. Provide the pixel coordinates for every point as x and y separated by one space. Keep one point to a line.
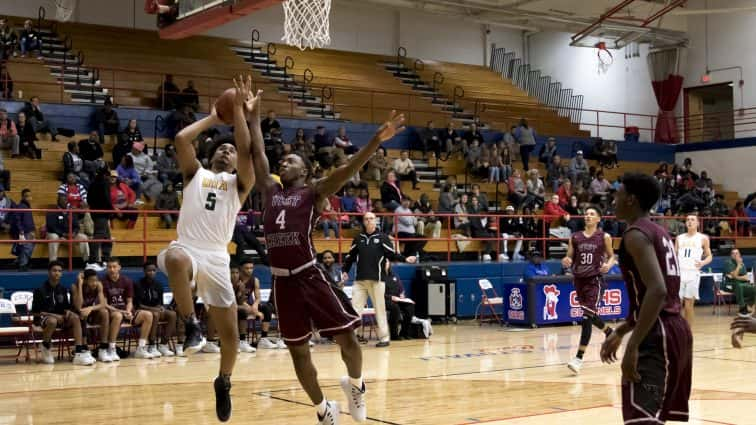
461 219
473 134
57 227
247 298
608 155
425 222
531 228
429 140
349 205
565 193
5 216
405 168
123 199
37 119
167 166
182 117
343 142
446 200
22 228
119 293
557 172
740 222
329 218
91 152
719 208
6 82
74 164
148 296
479 228
451 141
575 210
705 184
578 169
554 213
391 194
535 267
407 228
398 307
331 270
377 165
511 227
480 196
168 201
535 188
600 188
30 40
27 137
266 308
98 198
52 310
8 40
190 96
526 138
517 190
327 153
169 95
472 154
270 123
106 120
71 194
9 137
127 138
363 203
673 225
506 156
547 151
128 175
736 282
509 140
145 168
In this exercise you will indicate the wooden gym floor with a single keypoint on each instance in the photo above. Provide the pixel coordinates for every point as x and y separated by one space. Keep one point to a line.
464 375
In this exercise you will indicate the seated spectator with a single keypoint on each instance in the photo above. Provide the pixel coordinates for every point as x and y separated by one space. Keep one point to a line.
565 193
57 225
119 294
446 200
526 138
554 213
74 164
168 201
342 142
6 82
479 228
52 309
740 219
531 228
244 311
482 167
736 282
425 222
506 156
88 300
509 140
179 119
22 228
608 155
673 225
329 218
145 167
429 140
5 216
98 198
8 40
128 175
168 94
326 153
123 199
391 194
705 184
450 140
578 170
126 139
37 119
363 203
265 308
9 137
474 134
405 169
27 137
535 267
106 120
517 190
461 219
536 191
472 154
91 152
72 195
557 173
399 308
482 197
600 188
576 211
719 208
190 96
269 123
331 270
30 40
167 166
148 297
407 228
511 227
548 151
349 205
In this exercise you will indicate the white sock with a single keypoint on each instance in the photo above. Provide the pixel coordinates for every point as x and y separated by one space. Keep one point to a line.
111 346
321 408
357 382
142 342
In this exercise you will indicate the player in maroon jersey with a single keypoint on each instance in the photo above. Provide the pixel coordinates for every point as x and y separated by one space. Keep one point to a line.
302 295
590 254
657 365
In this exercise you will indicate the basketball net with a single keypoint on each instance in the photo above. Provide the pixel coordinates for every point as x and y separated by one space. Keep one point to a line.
306 23
64 9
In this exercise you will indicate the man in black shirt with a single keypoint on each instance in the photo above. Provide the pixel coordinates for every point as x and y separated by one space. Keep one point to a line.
190 96
37 119
269 123
370 250
52 309
398 306
106 120
148 295
168 94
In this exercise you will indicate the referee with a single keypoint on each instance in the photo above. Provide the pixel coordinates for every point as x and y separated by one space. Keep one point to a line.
371 250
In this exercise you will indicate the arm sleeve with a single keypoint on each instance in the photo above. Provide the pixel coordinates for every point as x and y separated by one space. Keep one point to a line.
389 251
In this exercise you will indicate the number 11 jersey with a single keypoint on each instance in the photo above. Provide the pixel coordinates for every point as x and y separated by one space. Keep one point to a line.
288 221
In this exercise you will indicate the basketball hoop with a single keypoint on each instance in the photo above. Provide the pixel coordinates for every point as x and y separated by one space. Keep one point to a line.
64 9
306 23
605 58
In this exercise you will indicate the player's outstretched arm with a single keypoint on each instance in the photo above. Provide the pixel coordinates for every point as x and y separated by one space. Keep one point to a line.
186 156
260 164
244 174
338 178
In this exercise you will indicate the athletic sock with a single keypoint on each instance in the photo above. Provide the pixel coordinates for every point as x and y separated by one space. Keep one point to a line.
111 345
580 352
46 344
142 342
103 346
263 334
81 348
242 337
321 408
357 382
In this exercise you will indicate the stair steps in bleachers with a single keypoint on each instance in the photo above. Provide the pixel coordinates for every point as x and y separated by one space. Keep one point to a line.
296 92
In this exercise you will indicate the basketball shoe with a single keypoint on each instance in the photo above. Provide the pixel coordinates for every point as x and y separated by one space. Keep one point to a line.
331 415
356 397
194 340
222 398
575 365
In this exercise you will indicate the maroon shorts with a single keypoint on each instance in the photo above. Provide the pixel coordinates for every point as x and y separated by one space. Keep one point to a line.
665 367
306 302
589 290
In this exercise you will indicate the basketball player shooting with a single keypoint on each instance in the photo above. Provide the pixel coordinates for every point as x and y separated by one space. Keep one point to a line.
212 200
590 254
657 366
303 297
693 252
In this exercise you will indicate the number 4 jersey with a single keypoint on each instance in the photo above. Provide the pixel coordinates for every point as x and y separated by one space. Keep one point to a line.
665 254
208 210
288 221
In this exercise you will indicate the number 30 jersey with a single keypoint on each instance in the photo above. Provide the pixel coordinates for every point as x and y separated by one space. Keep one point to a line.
665 253
288 221
588 253
208 210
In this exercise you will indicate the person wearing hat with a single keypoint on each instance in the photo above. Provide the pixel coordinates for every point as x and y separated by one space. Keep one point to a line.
578 168
535 267
547 151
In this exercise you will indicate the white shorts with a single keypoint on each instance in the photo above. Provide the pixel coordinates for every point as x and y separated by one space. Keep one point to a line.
689 282
210 271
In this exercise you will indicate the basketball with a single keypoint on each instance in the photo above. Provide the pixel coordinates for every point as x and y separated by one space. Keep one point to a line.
224 106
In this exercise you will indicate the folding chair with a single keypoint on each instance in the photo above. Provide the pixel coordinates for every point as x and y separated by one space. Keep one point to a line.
22 335
489 299
721 297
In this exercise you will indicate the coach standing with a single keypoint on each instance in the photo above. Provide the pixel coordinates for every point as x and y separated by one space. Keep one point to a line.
371 250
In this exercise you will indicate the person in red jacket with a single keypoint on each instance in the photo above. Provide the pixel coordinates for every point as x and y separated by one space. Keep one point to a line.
565 193
554 213
123 199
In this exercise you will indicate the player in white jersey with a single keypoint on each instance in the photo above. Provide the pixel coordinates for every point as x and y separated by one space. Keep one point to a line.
693 252
212 200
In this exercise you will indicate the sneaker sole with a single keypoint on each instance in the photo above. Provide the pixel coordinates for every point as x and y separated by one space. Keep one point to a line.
194 349
346 386
223 418
575 371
